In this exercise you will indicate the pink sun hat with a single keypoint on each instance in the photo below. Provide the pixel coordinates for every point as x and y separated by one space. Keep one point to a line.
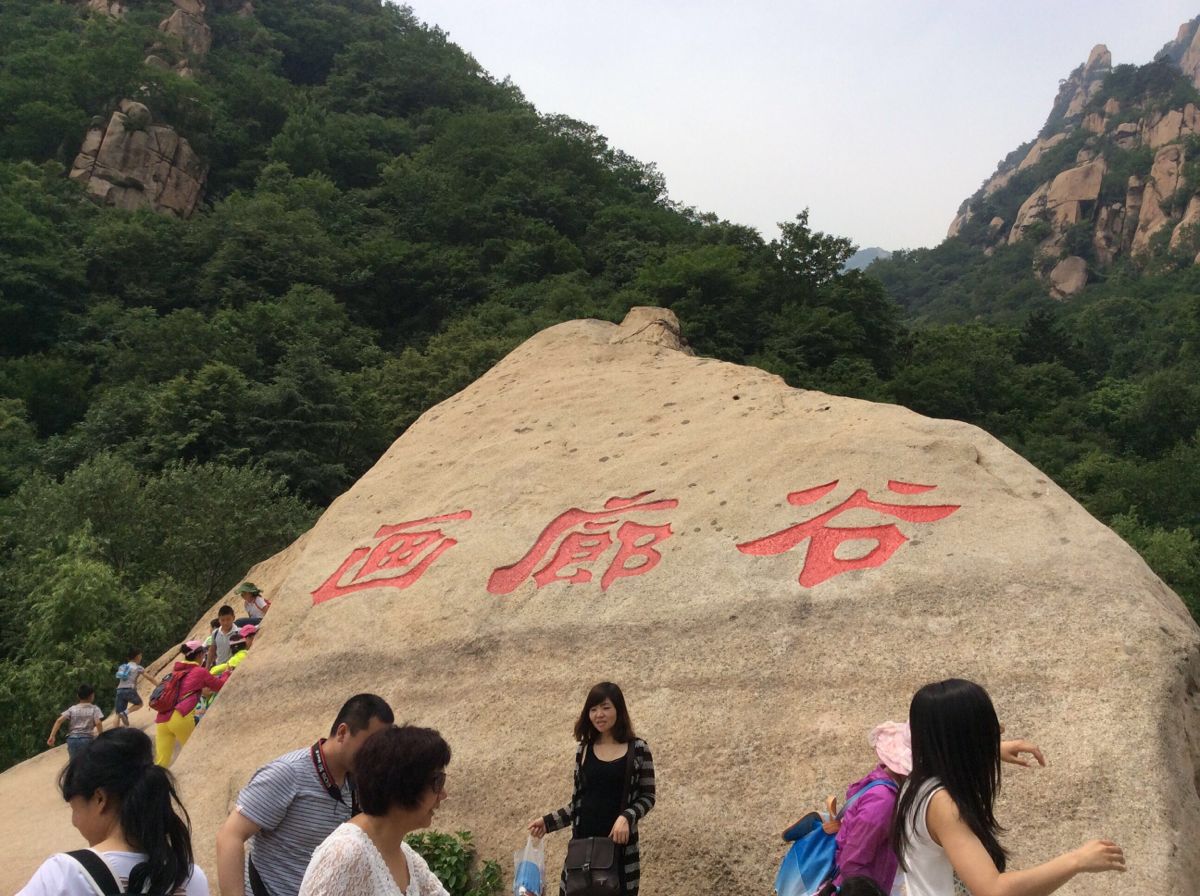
893 745
248 629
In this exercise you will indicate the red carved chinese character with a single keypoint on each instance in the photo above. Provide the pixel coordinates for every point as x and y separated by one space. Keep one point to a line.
578 538
821 562
397 561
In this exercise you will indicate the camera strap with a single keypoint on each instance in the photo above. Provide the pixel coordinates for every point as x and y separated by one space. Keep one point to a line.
317 753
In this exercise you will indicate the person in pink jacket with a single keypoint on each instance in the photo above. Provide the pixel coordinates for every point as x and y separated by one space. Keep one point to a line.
177 725
862 840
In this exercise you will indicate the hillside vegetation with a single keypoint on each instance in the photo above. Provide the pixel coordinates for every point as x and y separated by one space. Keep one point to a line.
382 222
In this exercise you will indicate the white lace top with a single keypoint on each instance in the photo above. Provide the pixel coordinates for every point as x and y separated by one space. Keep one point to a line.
348 864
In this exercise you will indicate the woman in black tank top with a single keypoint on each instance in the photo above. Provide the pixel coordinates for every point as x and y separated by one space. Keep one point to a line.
614 782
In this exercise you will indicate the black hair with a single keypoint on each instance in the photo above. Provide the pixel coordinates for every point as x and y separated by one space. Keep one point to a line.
956 739
622 730
214 623
397 766
120 762
190 652
225 611
134 653
357 712
85 692
860 886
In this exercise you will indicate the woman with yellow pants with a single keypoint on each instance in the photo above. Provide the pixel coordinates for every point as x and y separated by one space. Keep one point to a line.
177 725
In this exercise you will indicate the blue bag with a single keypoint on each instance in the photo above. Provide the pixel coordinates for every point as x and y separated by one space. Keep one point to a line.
812 859
529 865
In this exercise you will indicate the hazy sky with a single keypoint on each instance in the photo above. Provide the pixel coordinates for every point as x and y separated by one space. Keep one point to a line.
880 116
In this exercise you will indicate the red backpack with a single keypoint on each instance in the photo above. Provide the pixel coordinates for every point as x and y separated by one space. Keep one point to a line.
167 694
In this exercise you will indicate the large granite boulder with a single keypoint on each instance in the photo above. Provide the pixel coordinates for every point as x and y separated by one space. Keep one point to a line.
187 24
1062 202
133 163
1159 193
767 572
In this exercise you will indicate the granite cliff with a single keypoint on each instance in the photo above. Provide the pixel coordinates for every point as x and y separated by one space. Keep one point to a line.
1114 173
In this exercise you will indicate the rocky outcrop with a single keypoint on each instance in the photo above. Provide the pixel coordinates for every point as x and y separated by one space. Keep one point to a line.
1163 127
114 8
1126 134
1155 212
1116 224
1039 149
999 181
1082 85
652 326
1062 202
132 163
188 26
1068 277
1186 234
956 225
1184 51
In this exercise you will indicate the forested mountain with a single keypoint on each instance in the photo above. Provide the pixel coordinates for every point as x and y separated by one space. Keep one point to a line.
243 245
311 221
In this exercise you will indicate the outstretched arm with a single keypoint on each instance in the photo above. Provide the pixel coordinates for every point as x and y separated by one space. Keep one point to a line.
978 872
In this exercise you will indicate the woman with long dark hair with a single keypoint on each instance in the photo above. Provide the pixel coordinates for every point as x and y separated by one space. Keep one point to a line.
944 825
614 783
127 809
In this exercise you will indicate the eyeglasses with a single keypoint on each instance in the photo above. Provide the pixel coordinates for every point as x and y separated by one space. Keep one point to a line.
438 782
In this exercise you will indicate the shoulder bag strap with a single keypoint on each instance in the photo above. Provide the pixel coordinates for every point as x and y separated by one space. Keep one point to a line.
886 782
104 882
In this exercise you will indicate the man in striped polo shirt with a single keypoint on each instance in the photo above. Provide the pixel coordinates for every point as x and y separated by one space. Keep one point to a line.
294 803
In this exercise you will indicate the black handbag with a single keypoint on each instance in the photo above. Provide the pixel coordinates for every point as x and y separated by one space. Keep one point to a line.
592 867
593 863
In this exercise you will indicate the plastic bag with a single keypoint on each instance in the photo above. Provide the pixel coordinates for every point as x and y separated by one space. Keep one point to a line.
529 866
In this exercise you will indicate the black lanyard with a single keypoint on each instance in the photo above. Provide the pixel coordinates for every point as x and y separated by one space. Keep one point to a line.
318 760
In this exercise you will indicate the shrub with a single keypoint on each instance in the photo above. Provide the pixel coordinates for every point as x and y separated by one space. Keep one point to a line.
452 858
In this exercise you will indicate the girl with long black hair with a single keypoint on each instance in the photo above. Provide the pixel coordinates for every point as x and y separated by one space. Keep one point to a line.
944 825
128 810
614 783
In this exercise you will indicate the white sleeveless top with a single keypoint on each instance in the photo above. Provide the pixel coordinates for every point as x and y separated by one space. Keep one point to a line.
929 870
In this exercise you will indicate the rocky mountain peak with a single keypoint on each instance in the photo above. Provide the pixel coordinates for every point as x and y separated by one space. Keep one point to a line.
1080 86
1109 176
1184 50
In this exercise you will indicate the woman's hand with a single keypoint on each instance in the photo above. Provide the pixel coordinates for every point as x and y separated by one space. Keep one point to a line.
1100 855
537 828
1011 750
620 830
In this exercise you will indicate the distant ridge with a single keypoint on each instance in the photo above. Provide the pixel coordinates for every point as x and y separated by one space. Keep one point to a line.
863 258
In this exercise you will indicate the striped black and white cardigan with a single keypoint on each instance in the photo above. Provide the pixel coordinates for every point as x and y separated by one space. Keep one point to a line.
641 801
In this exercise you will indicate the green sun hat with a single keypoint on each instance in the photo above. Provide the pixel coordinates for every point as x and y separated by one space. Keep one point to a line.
248 588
